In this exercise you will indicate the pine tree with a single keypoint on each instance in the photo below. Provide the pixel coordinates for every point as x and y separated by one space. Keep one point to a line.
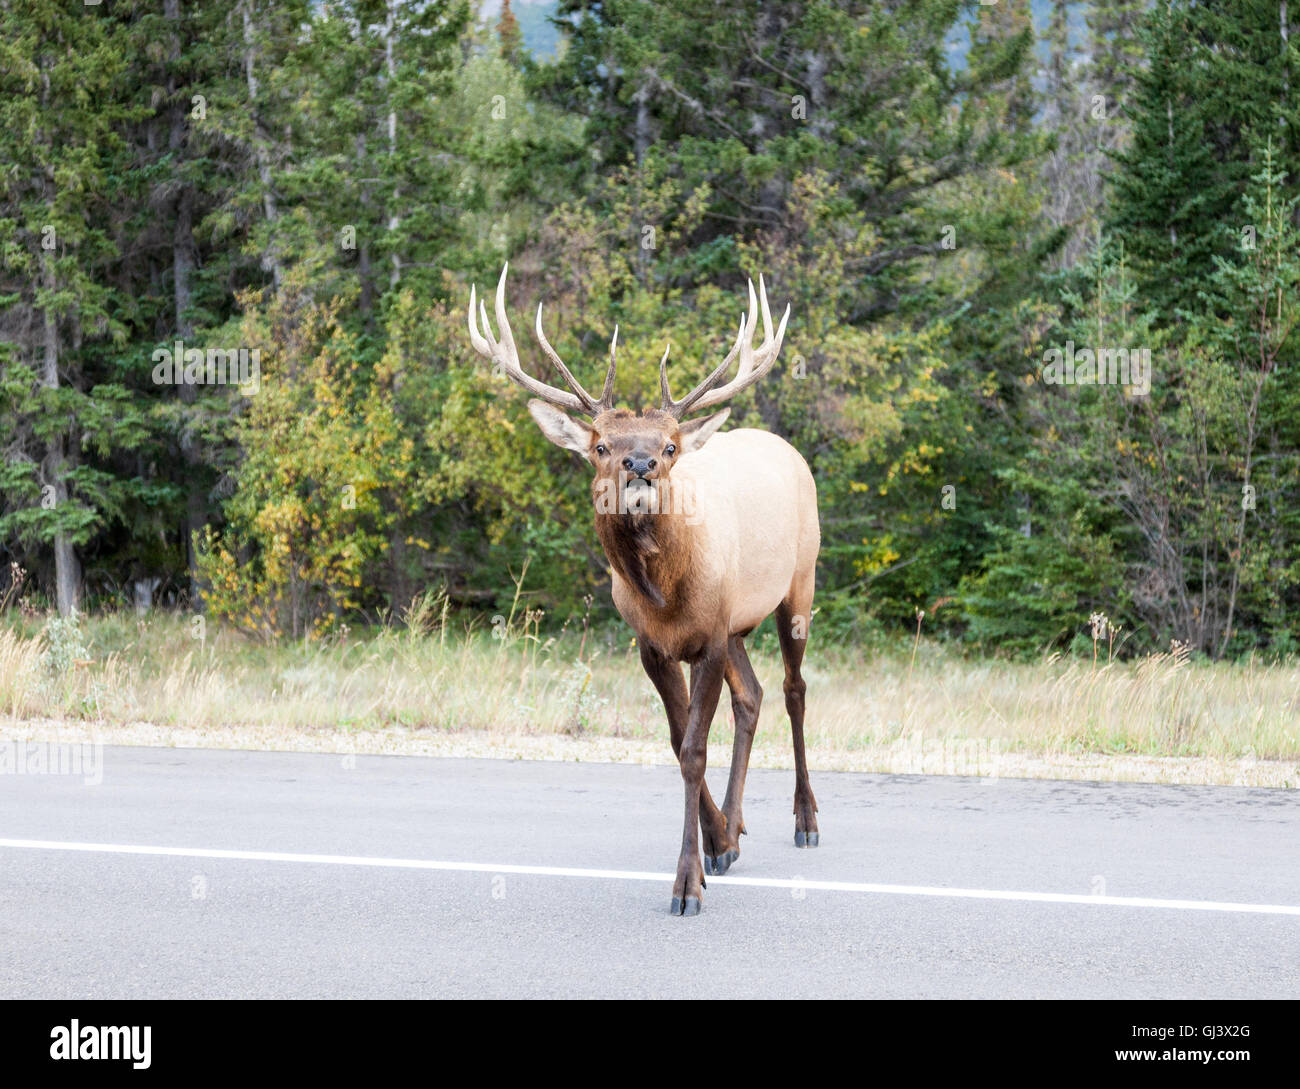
1169 190
1247 61
60 118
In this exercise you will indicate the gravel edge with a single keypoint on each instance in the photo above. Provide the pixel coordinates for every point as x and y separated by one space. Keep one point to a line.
932 758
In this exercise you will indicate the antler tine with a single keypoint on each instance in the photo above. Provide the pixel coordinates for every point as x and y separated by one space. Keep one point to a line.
665 398
680 408
506 355
503 323
747 349
475 337
754 362
591 405
607 393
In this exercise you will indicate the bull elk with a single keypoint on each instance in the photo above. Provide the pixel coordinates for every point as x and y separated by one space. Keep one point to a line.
706 535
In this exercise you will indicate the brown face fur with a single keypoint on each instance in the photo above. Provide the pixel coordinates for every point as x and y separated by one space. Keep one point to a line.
622 445
625 446
639 524
634 518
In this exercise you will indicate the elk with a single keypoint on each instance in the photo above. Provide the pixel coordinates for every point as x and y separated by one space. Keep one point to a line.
706 534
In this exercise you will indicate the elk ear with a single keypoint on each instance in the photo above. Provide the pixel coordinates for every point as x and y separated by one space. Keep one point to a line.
561 428
697 432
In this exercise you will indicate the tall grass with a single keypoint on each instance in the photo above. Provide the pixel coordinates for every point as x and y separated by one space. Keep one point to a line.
22 676
428 673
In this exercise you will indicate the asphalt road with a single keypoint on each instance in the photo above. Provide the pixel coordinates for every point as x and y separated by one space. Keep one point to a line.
104 924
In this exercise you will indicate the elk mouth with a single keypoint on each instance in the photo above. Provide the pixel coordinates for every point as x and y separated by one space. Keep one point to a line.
640 496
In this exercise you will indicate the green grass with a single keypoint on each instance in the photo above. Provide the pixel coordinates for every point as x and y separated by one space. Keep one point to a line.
437 676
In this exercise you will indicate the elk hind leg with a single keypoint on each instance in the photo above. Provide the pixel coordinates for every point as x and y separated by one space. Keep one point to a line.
792 623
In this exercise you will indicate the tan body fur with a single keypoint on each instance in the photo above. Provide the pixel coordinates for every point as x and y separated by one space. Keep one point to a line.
724 565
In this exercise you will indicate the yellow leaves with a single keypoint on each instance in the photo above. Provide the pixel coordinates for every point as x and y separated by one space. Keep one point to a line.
308 515
879 556
923 394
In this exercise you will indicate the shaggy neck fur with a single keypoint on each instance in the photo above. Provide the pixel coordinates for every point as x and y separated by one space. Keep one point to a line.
650 551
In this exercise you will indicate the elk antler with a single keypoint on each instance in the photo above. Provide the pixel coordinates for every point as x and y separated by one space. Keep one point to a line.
754 362
506 355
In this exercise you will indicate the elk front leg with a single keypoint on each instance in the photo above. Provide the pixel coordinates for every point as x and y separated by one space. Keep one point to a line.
722 847
666 675
706 686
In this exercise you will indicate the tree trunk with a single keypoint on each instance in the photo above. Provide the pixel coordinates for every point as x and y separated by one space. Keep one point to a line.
67 568
367 300
270 260
641 144
183 250
394 220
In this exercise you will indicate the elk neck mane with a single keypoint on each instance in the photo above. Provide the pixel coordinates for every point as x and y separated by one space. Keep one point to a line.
651 552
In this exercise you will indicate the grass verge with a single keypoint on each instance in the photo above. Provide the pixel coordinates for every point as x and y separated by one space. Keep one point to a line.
509 690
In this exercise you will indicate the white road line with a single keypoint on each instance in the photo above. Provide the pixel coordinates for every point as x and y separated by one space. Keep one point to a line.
640 875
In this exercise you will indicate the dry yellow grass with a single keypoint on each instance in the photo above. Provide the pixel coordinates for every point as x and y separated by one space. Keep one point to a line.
169 672
21 675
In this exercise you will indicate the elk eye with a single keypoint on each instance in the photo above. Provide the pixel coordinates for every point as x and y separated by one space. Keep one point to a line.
670 450
601 449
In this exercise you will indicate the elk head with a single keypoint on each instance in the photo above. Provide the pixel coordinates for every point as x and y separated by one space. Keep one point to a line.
633 454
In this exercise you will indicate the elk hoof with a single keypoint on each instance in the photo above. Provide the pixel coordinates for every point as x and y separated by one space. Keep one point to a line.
689 906
721 864
805 839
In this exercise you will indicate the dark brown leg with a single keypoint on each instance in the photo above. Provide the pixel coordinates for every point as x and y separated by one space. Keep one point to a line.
746 698
666 675
792 619
706 686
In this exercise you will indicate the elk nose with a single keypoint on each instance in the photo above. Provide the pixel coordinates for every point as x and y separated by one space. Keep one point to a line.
639 465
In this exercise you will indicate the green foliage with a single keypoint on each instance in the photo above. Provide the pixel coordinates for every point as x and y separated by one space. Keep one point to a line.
321 184
305 519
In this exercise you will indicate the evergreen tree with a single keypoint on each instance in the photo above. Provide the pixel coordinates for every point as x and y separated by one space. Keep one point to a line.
61 115
1169 190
